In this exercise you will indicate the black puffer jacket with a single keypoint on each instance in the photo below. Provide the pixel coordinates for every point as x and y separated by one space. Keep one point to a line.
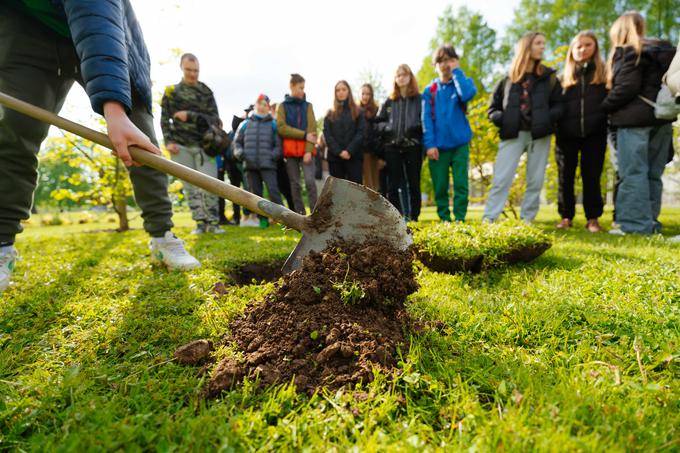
399 121
546 106
583 115
344 133
633 79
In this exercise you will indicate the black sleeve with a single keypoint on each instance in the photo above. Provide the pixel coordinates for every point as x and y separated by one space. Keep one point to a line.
627 84
331 142
358 138
495 110
555 103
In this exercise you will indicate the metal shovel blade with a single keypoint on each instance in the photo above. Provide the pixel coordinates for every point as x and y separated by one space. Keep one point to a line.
350 212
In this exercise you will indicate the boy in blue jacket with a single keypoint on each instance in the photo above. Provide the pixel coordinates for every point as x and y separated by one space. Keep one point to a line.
447 133
45 46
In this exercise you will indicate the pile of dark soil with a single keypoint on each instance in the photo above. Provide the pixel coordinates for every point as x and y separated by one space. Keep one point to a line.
328 324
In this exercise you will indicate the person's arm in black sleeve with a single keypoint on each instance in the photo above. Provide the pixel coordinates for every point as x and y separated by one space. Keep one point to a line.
495 110
331 142
358 138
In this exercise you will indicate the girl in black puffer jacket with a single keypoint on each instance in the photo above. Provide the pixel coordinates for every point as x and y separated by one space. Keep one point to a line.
635 68
583 128
401 130
525 106
343 129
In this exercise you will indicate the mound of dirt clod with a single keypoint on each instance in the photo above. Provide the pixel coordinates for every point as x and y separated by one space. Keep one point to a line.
328 324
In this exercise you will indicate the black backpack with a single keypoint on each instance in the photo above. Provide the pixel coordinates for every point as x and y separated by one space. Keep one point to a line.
214 140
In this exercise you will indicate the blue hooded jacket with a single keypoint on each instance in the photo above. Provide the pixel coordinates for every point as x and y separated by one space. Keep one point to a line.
111 49
449 127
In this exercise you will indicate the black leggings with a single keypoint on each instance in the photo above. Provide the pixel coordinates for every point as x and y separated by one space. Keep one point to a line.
592 150
404 163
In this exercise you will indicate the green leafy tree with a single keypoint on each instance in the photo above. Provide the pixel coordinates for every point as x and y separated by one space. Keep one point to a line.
473 39
560 20
99 178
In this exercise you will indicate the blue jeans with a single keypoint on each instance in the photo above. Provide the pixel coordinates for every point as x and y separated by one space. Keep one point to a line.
642 155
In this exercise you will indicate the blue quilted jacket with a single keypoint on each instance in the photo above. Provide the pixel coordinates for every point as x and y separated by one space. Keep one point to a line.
110 45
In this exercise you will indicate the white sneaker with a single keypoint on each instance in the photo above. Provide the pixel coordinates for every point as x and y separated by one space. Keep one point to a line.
201 228
8 257
214 229
250 222
674 239
617 232
170 251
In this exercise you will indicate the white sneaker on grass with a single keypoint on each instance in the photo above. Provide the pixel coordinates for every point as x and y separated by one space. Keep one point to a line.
250 221
8 258
170 251
674 239
617 232
214 229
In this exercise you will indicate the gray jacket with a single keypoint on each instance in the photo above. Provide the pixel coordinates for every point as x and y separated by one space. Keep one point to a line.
257 144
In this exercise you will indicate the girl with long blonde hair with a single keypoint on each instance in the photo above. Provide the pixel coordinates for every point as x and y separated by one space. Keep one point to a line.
635 68
525 107
582 131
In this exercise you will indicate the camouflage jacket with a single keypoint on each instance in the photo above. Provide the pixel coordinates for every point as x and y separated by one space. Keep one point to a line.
200 105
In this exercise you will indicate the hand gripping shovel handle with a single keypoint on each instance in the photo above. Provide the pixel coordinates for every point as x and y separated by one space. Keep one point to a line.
213 185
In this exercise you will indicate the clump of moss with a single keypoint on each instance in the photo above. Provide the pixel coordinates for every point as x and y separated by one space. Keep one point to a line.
470 247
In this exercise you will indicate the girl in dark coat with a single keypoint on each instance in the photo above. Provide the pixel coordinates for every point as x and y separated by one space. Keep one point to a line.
399 122
525 106
343 129
582 130
635 68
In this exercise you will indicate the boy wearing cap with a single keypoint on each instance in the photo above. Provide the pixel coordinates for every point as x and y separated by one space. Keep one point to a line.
258 146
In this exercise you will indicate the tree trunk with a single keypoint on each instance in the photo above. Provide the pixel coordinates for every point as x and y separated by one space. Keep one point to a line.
120 206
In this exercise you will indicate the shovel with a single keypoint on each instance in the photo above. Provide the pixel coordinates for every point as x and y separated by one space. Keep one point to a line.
344 210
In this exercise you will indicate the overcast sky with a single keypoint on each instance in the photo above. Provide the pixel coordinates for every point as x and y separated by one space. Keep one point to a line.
251 47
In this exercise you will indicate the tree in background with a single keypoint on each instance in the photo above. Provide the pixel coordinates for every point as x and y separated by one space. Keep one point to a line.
376 80
97 178
474 41
560 20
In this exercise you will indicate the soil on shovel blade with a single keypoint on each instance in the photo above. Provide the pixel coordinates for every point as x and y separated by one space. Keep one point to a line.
328 324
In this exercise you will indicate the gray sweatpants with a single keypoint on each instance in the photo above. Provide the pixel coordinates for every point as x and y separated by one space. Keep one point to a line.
39 67
203 204
293 165
509 154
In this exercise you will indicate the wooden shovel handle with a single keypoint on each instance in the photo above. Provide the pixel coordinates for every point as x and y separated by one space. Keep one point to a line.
213 185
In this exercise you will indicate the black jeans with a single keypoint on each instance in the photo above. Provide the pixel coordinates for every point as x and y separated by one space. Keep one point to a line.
404 163
236 179
351 170
592 150
268 176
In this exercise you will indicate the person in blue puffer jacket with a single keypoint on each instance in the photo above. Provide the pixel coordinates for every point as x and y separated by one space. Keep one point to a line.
258 146
447 133
46 45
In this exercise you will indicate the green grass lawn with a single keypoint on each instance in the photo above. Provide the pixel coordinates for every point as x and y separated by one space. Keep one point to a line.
578 351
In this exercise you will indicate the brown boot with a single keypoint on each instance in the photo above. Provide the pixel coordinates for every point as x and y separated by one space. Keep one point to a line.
593 226
565 224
